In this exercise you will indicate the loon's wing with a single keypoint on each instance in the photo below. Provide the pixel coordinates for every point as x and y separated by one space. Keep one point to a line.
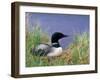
42 50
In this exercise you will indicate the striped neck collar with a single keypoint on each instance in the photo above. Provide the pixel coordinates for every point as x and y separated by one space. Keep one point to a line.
56 45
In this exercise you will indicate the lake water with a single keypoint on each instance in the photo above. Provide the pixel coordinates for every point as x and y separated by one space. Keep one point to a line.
69 24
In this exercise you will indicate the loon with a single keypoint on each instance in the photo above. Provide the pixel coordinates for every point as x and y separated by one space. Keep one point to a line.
50 50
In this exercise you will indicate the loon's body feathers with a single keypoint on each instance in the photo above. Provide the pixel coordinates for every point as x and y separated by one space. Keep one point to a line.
50 50
42 49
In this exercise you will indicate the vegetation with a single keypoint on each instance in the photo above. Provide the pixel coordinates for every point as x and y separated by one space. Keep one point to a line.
80 49
34 38
76 53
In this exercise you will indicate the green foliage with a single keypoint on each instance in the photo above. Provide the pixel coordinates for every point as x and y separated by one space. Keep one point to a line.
80 49
32 40
76 53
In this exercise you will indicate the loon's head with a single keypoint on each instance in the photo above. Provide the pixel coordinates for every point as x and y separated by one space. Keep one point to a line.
56 36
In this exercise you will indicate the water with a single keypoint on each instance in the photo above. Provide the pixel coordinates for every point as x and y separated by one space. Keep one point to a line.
69 24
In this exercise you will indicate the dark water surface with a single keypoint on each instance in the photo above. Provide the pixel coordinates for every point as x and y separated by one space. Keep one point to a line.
69 24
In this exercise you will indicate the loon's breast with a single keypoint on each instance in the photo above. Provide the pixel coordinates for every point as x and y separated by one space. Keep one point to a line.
47 50
55 51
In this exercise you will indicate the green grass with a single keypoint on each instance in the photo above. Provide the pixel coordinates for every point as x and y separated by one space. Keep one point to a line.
76 53
32 40
80 49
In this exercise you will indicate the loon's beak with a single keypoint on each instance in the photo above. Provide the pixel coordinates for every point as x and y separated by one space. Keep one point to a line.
66 35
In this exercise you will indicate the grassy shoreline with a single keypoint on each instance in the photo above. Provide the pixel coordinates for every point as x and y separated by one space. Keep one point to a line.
76 54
